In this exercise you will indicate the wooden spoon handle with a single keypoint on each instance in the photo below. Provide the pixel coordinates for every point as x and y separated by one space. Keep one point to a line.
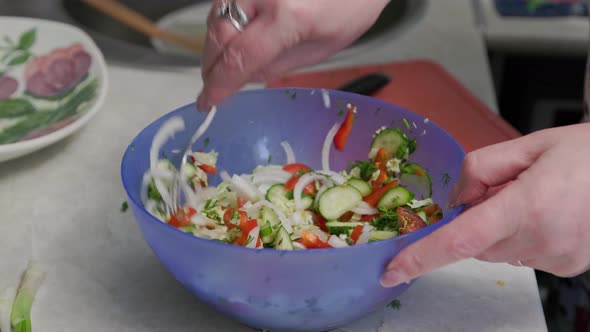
142 24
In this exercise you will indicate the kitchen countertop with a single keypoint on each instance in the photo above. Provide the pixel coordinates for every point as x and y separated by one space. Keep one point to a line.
61 206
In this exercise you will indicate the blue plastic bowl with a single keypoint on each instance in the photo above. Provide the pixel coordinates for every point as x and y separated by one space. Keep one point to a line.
313 290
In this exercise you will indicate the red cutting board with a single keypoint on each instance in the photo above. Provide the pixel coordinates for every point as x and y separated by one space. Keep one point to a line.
426 88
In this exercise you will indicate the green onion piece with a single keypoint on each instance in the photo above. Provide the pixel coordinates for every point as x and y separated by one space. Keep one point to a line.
21 309
7 296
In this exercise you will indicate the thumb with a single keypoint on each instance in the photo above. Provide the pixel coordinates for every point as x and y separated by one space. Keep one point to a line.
495 165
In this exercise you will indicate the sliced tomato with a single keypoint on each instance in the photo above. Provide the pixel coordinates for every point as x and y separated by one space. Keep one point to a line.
312 241
373 198
356 233
346 216
408 221
369 217
241 202
296 168
344 130
320 221
290 185
182 217
431 209
208 169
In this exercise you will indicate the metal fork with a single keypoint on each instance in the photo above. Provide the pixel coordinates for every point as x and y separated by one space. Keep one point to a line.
175 190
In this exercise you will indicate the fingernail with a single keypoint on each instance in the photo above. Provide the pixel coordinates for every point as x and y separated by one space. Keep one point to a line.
392 278
453 196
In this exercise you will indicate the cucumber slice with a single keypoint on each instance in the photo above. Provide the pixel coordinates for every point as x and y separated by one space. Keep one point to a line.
339 227
382 235
391 140
338 200
283 241
416 176
279 196
395 197
266 233
269 225
362 186
306 201
277 192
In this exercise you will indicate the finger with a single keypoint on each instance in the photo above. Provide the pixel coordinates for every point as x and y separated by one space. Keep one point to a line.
220 31
303 55
246 55
469 235
291 59
564 266
495 165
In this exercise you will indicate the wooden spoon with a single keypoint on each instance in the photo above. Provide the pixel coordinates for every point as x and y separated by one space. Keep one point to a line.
142 24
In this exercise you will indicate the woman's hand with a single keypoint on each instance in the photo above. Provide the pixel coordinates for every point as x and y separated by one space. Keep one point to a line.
282 35
528 202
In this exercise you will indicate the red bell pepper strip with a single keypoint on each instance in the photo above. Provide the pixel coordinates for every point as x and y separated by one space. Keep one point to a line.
296 168
356 233
312 241
373 198
342 134
182 217
208 169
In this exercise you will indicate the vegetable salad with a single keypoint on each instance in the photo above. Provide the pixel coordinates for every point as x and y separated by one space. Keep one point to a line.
294 207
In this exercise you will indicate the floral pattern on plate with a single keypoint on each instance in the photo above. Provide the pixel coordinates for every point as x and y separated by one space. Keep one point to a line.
41 93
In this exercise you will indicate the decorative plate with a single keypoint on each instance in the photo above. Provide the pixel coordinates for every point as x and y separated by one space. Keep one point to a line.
53 79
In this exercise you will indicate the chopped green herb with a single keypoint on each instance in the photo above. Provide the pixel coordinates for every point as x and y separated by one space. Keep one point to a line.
210 204
406 123
124 206
294 95
132 147
387 220
341 113
366 168
163 154
250 239
395 304
206 141
446 178
269 160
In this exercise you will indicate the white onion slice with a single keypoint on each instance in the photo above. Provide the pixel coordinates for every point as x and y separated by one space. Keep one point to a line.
199 220
301 183
365 234
320 234
145 182
327 146
298 246
225 176
270 179
254 236
166 131
288 152
244 188
364 208
336 242
189 195
205 125
337 178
